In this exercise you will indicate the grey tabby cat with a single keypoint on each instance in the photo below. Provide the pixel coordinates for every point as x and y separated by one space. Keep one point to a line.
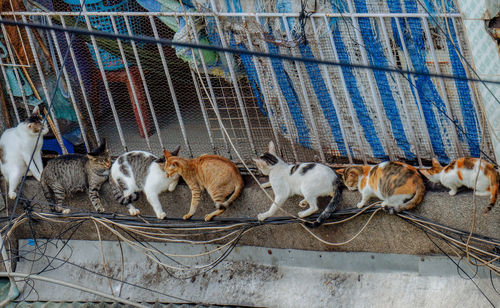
71 173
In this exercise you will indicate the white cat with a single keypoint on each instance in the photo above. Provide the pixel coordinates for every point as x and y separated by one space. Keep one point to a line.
137 171
17 144
310 180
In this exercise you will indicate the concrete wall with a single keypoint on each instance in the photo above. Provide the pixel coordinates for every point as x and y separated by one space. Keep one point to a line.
385 233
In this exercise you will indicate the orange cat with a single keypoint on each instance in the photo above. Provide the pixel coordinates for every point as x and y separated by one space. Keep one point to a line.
218 175
399 185
463 172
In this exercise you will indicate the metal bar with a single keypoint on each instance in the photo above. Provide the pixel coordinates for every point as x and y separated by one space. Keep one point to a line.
70 88
15 65
203 111
209 84
371 83
48 96
105 81
332 94
80 82
232 14
16 73
352 113
233 78
258 69
9 91
280 97
172 90
301 74
442 86
198 90
131 84
145 86
411 81
408 123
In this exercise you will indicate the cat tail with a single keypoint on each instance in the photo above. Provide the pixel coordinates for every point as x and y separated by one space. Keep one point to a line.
494 183
331 207
236 192
417 197
120 197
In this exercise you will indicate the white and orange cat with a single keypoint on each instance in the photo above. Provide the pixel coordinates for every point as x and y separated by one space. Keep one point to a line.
463 172
397 184
217 174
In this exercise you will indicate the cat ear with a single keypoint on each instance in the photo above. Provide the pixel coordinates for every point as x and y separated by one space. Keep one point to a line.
176 151
167 154
36 111
340 171
271 149
435 163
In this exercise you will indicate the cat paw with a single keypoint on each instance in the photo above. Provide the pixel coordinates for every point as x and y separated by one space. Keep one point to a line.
303 203
208 217
134 212
262 217
12 195
100 209
187 216
482 193
162 215
360 205
452 192
265 185
62 210
303 214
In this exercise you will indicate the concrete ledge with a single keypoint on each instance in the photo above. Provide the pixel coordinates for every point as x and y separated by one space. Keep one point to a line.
385 233
254 276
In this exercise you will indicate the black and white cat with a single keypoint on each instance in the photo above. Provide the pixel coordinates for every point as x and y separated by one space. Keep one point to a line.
138 171
310 180
17 144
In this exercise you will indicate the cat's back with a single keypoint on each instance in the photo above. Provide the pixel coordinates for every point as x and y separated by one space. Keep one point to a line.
391 178
67 171
65 164
311 170
464 171
214 161
210 165
133 164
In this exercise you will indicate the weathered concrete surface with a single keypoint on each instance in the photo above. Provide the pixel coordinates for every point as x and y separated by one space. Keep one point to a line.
254 276
384 234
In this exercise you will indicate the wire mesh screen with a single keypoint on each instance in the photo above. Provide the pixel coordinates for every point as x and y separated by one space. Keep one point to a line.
143 96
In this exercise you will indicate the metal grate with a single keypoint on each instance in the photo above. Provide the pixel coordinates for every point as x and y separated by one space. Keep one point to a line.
163 97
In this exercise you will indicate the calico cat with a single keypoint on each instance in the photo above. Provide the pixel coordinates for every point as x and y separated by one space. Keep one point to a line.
217 174
17 144
310 180
138 171
463 172
71 173
399 185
